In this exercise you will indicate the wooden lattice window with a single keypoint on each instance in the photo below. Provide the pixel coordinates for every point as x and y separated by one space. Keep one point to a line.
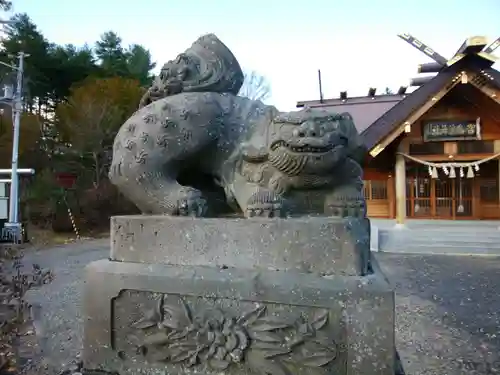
488 191
430 148
475 147
375 189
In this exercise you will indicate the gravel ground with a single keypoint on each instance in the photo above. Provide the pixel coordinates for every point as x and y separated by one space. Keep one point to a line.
60 301
448 308
448 312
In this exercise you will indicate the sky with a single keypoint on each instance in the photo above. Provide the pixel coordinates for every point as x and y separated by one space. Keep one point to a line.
354 42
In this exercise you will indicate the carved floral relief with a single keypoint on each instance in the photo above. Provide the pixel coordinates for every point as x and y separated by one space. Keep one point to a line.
175 333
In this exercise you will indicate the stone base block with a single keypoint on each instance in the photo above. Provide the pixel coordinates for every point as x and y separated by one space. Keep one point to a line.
166 319
320 245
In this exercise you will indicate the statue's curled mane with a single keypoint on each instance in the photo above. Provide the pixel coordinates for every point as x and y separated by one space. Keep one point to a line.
207 66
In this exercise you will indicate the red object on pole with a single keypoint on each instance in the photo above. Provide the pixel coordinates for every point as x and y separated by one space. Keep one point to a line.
66 180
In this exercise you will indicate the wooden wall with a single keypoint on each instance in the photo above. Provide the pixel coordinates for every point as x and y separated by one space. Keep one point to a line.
460 105
379 193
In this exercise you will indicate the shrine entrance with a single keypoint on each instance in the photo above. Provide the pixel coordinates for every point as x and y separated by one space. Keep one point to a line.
441 198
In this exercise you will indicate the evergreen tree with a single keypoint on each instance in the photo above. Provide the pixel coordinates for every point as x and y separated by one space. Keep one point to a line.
23 35
140 64
111 55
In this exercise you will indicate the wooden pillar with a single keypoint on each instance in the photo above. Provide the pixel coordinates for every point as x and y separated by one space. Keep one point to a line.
400 177
496 149
498 182
476 194
391 197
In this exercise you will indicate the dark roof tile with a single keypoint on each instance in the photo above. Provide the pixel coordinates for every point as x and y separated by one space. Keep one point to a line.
496 76
349 100
363 114
394 116
376 118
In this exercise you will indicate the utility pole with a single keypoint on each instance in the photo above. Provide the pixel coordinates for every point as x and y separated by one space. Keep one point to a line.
13 225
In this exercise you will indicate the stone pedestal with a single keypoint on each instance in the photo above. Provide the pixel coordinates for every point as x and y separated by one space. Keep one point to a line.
239 296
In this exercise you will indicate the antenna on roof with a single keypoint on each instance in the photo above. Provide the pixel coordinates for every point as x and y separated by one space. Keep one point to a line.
320 87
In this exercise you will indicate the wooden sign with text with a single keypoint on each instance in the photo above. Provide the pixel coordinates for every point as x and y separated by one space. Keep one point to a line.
439 131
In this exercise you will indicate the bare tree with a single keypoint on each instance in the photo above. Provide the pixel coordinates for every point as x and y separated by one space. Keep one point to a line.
255 86
388 91
5 5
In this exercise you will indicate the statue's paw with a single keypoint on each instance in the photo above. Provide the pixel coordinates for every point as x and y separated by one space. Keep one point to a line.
192 204
264 204
264 210
346 206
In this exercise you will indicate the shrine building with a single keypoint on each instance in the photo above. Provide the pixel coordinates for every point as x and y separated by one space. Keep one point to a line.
433 153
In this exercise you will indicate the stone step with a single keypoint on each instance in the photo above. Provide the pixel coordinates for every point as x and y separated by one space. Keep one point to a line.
437 229
440 240
448 250
440 225
456 228
459 238
468 245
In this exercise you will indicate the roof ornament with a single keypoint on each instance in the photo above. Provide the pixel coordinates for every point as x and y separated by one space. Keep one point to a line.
493 46
476 45
464 78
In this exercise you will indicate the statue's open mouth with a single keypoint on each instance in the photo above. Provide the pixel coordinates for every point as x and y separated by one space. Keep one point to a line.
302 148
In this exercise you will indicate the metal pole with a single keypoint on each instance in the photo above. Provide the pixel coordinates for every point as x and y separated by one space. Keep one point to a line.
14 190
29 171
320 87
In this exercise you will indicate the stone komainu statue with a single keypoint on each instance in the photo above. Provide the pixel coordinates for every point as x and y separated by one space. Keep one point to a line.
194 146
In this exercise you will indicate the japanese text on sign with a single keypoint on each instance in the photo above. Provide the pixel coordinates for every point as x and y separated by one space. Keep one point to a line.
447 130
